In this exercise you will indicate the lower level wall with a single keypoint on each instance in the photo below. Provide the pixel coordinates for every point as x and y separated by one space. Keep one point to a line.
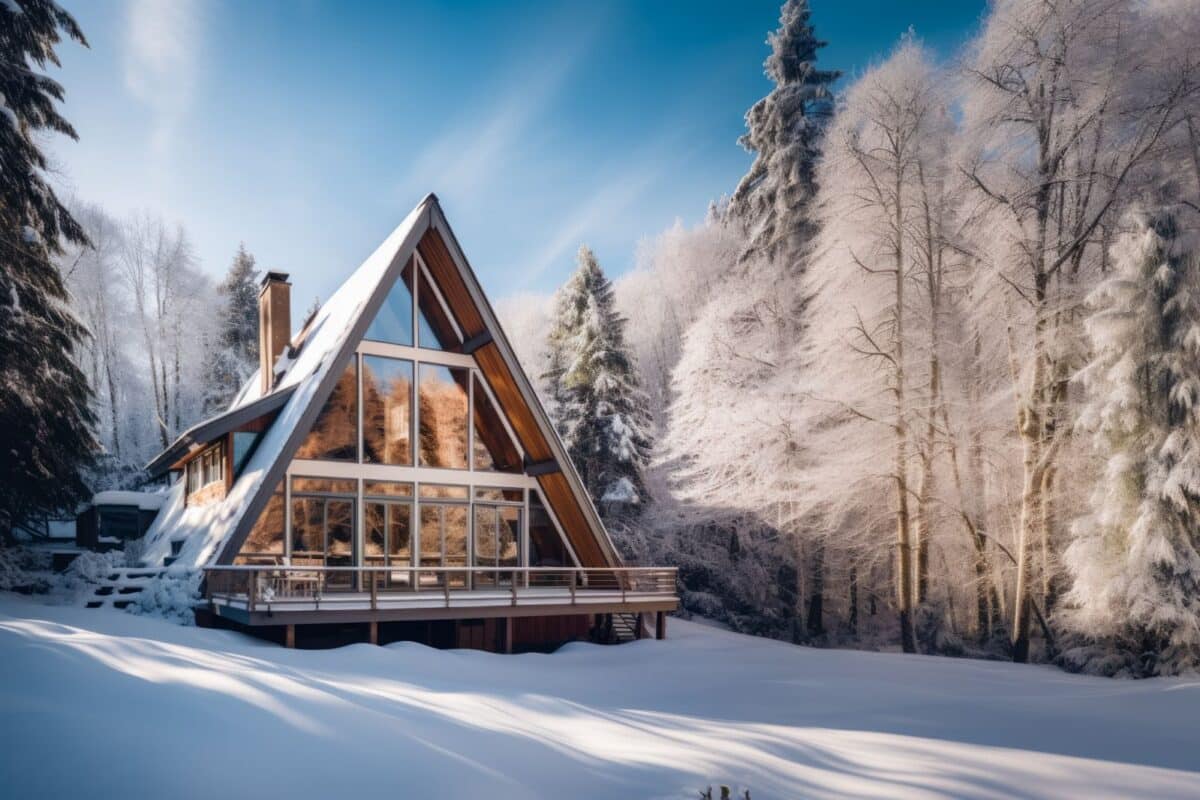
530 634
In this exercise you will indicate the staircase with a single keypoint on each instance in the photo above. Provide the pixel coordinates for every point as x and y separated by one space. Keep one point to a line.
624 628
121 587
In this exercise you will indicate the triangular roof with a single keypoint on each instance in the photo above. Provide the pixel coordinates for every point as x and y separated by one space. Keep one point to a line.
307 377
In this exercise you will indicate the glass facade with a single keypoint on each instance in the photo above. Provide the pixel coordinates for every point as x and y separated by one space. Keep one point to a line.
400 413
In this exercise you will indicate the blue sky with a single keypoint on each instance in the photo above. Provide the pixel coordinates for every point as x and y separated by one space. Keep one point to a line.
309 129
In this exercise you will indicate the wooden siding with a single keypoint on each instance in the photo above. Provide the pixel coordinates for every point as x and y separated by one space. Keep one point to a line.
445 274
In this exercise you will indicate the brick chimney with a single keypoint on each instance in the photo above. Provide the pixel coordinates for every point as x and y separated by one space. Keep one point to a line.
274 324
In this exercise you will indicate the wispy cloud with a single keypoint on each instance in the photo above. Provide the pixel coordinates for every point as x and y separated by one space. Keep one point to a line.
162 40
612 201
473 150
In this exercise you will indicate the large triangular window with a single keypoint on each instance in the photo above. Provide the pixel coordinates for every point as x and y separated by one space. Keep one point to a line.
393 322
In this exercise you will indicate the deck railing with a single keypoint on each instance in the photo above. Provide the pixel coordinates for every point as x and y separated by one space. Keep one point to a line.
266 587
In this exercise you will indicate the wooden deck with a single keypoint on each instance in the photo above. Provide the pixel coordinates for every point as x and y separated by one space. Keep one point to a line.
291 595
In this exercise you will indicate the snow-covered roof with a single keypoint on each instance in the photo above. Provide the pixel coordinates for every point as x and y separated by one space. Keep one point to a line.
206 527
146 501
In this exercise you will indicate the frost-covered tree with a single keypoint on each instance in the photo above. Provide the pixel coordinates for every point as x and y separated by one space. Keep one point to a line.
600 405
1135 558
1064 109
235 357
172 304
783 130
875 283
46 422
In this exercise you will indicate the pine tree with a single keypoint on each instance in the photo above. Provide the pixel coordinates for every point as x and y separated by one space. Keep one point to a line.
784 131
600 407
46 423
1135 558
235 358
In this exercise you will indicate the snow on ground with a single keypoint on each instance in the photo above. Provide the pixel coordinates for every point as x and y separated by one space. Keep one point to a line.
104 704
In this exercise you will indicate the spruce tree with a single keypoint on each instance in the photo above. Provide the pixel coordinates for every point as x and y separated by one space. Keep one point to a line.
600 408
784 131
235 357
46 423
1135 559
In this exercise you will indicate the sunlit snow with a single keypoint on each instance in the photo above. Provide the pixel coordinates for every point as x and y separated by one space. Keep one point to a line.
137 707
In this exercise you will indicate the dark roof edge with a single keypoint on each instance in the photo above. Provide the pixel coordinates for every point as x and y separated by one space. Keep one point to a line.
204 432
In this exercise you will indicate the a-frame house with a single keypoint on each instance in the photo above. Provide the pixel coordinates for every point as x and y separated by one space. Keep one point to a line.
390 470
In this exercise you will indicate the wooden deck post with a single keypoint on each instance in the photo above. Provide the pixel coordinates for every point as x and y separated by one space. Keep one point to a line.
508 634
289 636
373 632
640 627
660 626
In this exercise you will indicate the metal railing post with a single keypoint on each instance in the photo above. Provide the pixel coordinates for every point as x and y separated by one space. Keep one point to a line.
374 590
251 590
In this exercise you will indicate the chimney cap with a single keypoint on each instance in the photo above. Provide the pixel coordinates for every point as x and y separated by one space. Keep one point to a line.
275 277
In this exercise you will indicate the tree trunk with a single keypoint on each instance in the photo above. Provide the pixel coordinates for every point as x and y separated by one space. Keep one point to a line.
816 596
904 567
853 615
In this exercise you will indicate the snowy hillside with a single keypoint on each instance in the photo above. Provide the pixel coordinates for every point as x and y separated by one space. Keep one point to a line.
104 704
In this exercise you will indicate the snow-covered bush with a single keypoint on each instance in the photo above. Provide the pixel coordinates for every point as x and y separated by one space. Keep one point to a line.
171 596
20 568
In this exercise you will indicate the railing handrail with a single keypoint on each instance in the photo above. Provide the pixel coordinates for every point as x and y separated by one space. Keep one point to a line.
409 567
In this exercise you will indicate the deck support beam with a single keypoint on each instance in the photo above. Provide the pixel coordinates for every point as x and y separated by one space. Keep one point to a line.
289 636
640 627
508 634
660 625
373 632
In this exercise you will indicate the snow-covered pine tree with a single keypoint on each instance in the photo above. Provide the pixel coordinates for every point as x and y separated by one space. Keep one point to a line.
1134 559
235 357
600 406
46 421
784 130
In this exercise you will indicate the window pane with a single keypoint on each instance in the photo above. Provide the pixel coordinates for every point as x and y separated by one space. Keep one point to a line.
455 527
509 533
334 435
485 536
431 543
501 495
374 534
339 542
399 533
447 492
435 329
387 489
308 530
387 410
264 544
244 443
443 415
494 448
393 322
323 486
546 547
